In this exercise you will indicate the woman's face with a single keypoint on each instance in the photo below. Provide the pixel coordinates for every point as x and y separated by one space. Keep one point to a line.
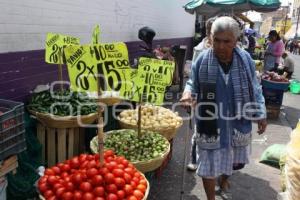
272 38
223 45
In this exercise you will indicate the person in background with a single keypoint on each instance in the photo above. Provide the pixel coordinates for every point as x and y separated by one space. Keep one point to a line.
205 44
274 51
252 44
288 65
223 79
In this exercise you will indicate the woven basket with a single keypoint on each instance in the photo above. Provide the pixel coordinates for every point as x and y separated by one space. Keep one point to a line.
143 166
145 196
53 121
110 101
168 132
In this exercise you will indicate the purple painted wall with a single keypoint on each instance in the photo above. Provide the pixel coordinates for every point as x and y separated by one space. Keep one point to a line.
20 72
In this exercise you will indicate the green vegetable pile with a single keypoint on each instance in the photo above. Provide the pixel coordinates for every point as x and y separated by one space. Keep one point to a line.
62 102
126 143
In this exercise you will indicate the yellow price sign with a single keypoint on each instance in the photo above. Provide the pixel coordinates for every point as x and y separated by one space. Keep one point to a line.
106 61
96 34
55 43
150 80
82 69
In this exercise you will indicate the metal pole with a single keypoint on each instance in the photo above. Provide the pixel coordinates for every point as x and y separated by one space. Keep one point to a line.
297 22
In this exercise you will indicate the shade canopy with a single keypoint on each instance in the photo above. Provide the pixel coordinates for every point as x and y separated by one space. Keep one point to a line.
211 8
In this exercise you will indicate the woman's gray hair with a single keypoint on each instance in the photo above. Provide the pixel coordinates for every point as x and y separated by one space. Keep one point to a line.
226 24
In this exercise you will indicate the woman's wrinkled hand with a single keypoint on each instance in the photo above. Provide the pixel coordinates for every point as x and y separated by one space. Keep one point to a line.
187 101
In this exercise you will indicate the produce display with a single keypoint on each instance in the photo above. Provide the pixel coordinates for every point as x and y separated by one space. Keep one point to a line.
127 143
41 102
83 177
273 76
153 117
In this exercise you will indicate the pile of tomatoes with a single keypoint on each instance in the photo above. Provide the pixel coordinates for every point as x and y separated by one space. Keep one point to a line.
83 177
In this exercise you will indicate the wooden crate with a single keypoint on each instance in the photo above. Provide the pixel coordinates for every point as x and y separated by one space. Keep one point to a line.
9 165
60 144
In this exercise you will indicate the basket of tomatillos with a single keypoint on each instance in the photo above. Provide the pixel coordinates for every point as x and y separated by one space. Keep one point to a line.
83 177
146 152
153 118
63 109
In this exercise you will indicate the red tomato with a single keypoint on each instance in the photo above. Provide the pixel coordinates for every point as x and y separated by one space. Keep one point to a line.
125 163
84 164
56 186
103 171
111 188
136 180
109 178
127 177
121 194
52 198
111 165
67 179
43 179
99 198
132 198
143 182
82 158
69 186
56 170
118 172
91 164
99 191
85 186
90 157
133 184
128 189
48 194
59 192
97 156
52 180
112 196
129 170
97 180
120 166
91 172
64 175
141 187
77 195
43 187
138 194
67 196
109 153
88 196
109 159
120 182
49 172
65 168
137 174
77 178
74 163
131 165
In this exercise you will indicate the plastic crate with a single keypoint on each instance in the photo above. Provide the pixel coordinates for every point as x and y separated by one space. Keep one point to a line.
273 96
12 131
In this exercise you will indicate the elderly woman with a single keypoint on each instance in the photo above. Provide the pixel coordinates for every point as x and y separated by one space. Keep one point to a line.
228 97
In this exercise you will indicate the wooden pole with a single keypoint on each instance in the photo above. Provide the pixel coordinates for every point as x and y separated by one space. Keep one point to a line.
140 117
60 72
100 127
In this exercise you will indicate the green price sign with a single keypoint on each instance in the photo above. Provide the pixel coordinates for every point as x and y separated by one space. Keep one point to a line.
150 80
106 61
55 43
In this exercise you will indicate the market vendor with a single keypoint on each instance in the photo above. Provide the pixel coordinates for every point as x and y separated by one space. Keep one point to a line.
224 81
288 65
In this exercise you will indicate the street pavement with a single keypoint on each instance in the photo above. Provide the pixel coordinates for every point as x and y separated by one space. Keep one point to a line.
256 181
